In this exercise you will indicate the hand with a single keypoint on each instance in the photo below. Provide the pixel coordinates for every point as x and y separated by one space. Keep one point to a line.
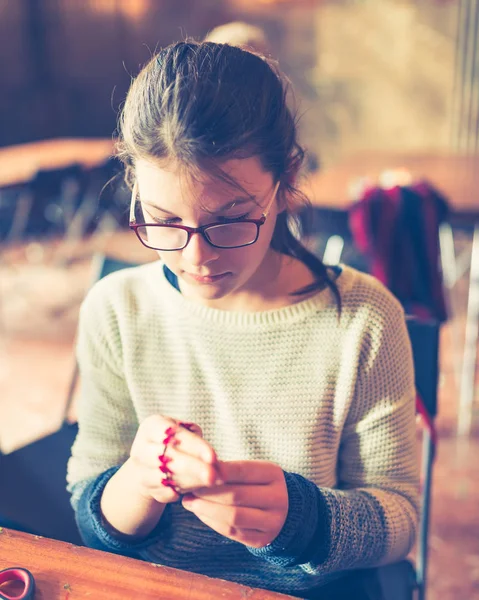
193 461
250 507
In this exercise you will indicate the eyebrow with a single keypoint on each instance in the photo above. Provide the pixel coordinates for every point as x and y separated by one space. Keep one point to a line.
225 207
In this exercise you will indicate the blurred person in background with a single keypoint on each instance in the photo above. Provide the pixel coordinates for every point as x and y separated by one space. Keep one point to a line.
243 35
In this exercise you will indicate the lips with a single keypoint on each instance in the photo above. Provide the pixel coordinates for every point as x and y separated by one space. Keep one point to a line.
207 278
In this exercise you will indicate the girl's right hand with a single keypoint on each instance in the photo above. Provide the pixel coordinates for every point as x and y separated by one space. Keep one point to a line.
193 461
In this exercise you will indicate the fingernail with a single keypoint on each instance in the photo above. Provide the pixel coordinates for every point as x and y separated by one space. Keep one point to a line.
189 426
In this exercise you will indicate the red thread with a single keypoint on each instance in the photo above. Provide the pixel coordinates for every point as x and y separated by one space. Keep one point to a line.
169 483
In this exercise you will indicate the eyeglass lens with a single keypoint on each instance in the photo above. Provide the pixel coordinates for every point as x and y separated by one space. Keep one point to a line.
228 235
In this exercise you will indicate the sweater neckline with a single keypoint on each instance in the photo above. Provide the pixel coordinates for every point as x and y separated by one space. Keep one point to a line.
276 316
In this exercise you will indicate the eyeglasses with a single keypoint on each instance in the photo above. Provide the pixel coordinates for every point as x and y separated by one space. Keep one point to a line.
165 237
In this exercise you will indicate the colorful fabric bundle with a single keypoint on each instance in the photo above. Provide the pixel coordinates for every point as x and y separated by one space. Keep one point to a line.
397 228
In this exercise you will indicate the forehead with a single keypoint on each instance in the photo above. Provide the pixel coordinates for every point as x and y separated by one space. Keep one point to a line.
170 185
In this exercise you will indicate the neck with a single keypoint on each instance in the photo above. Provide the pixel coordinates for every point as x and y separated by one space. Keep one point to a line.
270 287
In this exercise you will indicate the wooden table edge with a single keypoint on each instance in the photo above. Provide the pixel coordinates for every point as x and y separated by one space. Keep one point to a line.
67 572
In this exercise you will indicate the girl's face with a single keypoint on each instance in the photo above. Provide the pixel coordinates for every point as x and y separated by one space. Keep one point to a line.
205 273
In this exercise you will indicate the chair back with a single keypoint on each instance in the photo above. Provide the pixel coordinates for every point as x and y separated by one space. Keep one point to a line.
56 195
103 265
424 336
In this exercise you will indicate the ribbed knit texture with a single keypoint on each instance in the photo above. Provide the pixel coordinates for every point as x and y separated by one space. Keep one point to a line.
329 400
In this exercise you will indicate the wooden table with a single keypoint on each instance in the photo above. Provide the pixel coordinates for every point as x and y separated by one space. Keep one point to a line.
456 176
18 164
67 572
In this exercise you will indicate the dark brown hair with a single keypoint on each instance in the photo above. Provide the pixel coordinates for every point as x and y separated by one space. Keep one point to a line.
204 103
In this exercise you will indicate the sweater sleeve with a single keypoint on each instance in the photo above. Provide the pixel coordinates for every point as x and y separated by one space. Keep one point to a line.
95 532
107 419
370 518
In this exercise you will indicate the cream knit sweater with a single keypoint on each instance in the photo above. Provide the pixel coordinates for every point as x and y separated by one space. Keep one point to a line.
329 400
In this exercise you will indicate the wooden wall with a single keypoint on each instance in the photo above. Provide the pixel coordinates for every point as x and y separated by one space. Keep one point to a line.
65 64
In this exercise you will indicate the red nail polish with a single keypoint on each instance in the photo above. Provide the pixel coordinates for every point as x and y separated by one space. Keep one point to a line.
168 483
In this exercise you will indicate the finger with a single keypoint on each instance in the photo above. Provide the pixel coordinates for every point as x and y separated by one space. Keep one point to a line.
193 427
233 517
155 426
190 441
150 480
187 471
249 495
258 472
149 454
190 472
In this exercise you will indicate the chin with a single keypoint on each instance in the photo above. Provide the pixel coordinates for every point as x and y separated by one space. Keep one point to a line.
208 292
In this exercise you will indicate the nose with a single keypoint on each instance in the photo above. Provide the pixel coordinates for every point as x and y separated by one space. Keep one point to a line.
198 252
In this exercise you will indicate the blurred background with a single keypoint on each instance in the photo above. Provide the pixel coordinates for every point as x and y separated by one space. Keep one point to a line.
387 93
370 75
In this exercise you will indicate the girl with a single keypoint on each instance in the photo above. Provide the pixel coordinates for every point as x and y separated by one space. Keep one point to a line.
246 412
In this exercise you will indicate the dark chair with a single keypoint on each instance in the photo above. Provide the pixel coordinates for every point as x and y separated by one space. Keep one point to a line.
33 496
402 580
326 229
106 199
15 205
56 196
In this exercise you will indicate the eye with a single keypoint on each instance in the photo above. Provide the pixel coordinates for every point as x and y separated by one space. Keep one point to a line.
159 220
233 219
165 221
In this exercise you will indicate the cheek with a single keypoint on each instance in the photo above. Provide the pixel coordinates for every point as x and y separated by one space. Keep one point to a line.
252 256
169 258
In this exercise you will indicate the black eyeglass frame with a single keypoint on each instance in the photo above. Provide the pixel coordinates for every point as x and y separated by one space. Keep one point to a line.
201 230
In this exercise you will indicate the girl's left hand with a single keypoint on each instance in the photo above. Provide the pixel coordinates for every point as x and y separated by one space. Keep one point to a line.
250 507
